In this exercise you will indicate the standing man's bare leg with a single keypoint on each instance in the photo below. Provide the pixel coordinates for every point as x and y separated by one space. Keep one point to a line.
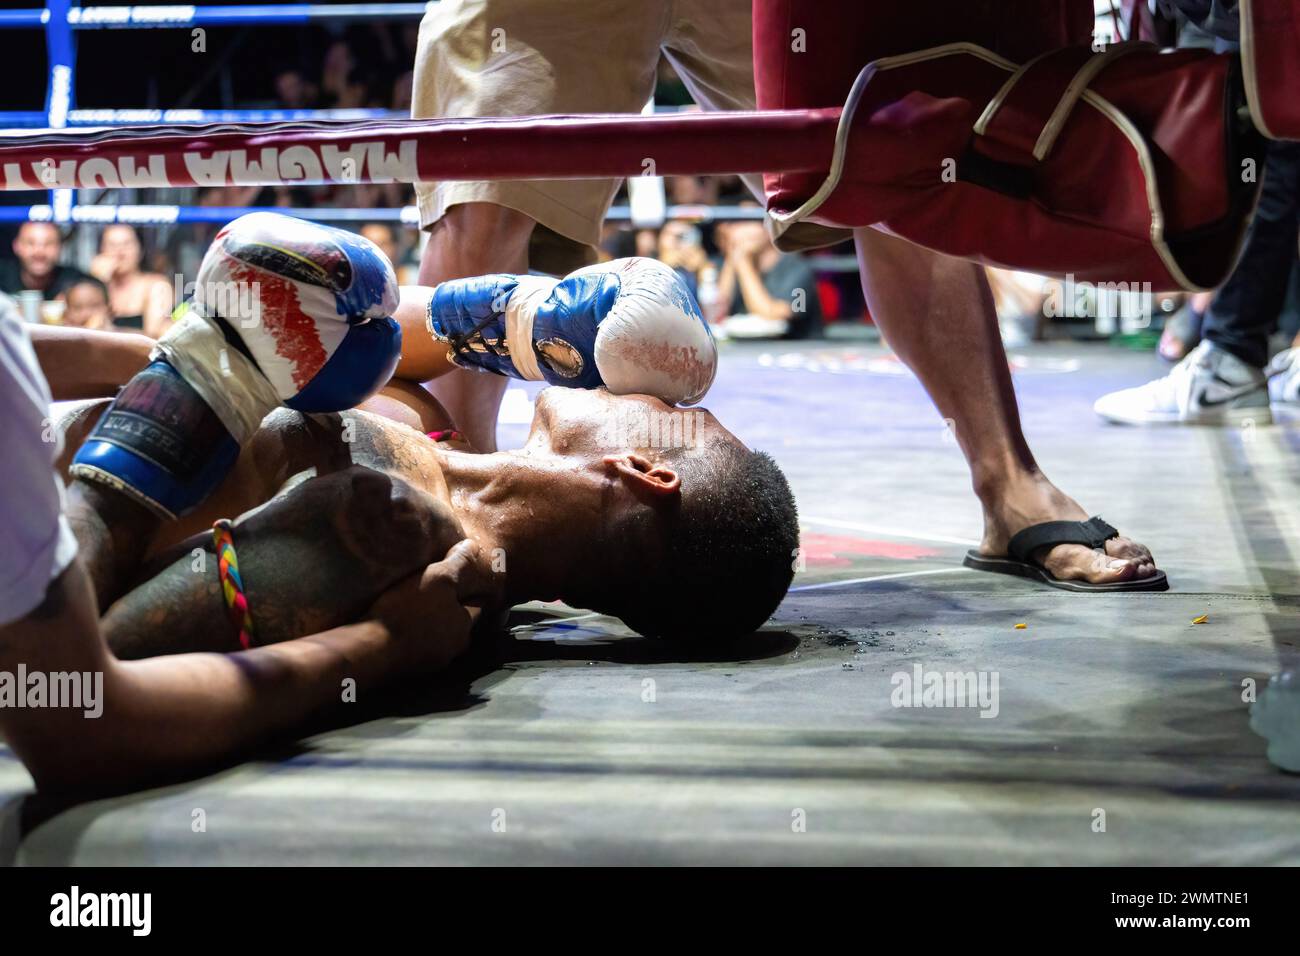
474 239
937 314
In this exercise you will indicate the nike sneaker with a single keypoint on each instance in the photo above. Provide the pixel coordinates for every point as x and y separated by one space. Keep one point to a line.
1284 377
1208 387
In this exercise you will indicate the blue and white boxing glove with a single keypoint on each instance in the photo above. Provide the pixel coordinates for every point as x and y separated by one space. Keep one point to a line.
630 325
285 312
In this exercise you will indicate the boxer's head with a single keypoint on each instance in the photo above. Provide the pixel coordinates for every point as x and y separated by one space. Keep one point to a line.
693 535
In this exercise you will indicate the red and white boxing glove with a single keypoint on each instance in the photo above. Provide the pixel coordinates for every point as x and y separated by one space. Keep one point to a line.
285 312
288 312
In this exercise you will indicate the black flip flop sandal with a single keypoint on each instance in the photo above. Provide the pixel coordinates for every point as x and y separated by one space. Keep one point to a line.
1093 533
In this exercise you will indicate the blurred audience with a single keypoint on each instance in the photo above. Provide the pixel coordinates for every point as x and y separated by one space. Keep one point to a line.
693 190
680 245
342 83
1182 331
1019 298
137 299
35 266
405 263
86 306
401 101
294 92
1229 377
767 293
733 269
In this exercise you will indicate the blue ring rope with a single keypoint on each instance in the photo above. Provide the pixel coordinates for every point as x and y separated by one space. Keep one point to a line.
61 17
161 215
184 15
30 119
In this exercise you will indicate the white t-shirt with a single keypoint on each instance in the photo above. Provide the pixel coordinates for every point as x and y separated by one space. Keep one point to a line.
36 543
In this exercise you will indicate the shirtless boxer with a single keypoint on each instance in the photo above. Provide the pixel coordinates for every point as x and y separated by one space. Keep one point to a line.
153 720
620 503
691 541
694 542
520 57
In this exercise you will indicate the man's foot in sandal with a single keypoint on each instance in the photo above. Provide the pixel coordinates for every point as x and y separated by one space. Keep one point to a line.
1035 531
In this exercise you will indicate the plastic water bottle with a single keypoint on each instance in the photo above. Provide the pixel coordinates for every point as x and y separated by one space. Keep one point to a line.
708 293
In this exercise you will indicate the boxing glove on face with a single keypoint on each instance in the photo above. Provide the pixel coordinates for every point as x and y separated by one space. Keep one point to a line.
285 312
630 325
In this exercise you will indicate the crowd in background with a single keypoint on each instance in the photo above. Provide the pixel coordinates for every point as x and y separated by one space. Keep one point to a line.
121 276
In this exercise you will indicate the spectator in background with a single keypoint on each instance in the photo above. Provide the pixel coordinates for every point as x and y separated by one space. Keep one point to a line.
36 267
645 242
86 306
1182 331
137 299
773 295
342 84
401 101
1225 380
294 92
681 247
693 190
385 237
1020 300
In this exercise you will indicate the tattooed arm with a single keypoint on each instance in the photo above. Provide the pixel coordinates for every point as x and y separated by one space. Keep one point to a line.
311 559
174 716
341 547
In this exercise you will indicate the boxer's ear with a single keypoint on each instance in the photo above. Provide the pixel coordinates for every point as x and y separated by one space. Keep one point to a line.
644 474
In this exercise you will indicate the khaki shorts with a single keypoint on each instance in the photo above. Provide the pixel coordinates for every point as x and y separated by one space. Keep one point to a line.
525 57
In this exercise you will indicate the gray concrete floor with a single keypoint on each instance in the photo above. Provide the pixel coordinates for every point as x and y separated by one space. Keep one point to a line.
572 741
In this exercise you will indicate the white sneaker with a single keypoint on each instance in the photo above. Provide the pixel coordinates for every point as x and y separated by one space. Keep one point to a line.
1208 387
1284 377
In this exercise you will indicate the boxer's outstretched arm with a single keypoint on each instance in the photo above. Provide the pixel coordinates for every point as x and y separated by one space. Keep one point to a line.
173 716
423 357
313 558
84 363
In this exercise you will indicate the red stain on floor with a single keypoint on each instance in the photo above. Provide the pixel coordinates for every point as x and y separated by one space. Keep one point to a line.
837 551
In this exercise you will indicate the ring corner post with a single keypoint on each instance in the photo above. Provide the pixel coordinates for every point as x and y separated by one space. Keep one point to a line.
60 94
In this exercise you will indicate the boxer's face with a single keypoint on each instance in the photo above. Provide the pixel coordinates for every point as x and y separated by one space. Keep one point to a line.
612 473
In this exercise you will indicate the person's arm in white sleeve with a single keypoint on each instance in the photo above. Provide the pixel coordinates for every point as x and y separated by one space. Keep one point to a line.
147 721
36 543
